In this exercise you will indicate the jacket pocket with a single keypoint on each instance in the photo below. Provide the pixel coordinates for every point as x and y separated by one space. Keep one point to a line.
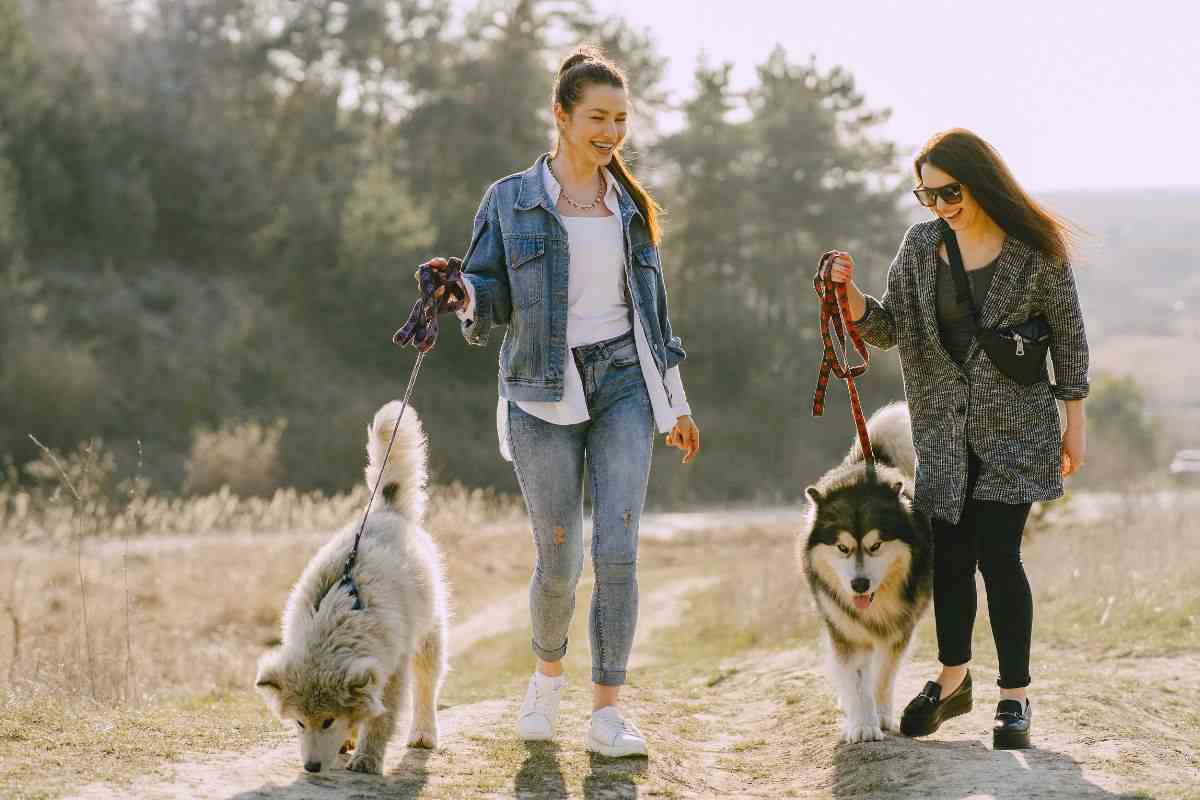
526 257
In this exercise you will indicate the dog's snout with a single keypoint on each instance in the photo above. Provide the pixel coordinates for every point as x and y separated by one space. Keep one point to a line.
860 585
312 766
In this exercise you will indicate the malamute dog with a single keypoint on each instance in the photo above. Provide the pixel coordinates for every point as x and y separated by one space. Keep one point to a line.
868 559
343 673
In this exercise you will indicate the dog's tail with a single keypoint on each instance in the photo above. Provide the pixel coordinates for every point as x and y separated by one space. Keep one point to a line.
402 479
890 429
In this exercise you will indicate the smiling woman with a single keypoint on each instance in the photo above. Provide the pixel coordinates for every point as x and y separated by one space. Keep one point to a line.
565 254
987 445
592 116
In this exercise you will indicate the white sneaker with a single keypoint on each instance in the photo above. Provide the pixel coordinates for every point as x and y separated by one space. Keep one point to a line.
612 735
539 710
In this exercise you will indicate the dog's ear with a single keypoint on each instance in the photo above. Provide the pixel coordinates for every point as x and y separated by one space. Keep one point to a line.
269 681
364 679
814 495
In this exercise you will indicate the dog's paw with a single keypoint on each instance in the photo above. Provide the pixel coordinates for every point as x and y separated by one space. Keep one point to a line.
366 762
423 737
888 722
858 731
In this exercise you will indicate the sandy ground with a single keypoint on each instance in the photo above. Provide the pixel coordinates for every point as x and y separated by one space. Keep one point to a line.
761 724
273 771
759 727
746 743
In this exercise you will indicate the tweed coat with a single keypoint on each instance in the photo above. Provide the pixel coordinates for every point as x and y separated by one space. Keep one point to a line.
1013 429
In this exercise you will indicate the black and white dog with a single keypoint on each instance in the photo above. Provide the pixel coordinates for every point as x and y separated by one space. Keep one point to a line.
868 559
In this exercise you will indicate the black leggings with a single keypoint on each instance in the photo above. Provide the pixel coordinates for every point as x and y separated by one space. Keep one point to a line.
987 536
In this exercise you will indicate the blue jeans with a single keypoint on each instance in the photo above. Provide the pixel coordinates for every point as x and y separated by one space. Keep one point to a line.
616 444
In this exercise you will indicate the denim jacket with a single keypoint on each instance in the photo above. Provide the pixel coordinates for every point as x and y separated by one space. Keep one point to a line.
518 264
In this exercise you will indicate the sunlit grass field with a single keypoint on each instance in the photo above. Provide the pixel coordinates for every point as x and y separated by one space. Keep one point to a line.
124 648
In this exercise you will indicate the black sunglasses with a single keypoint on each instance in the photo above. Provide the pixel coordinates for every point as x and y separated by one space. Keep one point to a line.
951 193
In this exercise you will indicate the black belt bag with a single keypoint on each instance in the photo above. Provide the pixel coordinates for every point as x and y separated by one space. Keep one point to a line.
1018 351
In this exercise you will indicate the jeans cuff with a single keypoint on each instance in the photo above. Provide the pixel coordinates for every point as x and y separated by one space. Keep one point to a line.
953 661
549 655
608 677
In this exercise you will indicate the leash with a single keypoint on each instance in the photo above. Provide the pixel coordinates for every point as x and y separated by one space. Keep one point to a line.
835 313
421 331
347 579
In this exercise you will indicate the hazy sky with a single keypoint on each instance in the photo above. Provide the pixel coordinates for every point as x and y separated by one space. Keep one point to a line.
1073 94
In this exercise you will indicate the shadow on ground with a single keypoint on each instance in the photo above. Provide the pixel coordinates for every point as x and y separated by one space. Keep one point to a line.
405 781
901 768
541 775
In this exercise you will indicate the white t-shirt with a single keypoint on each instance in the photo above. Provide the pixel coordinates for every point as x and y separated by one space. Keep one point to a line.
596 311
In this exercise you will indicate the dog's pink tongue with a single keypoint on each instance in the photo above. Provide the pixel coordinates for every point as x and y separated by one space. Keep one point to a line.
862 601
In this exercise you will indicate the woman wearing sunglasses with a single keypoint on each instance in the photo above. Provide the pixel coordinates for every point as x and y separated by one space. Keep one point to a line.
987 445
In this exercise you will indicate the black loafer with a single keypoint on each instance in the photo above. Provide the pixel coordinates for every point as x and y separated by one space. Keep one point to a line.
928 710
1011 731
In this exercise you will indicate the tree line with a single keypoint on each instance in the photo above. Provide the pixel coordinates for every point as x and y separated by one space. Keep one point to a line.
210 210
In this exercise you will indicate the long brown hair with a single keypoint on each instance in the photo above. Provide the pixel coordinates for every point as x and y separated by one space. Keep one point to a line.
587 66
976 164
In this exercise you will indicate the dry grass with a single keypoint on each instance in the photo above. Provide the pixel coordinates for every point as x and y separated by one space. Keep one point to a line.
31 517
240 454
1115 580
51 743
196 602
177 622
203 607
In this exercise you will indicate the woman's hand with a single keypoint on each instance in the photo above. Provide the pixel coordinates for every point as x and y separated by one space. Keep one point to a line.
440 282
686 436
442 289
1074 449
841 267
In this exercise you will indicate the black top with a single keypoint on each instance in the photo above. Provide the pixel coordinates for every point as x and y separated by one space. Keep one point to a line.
955 325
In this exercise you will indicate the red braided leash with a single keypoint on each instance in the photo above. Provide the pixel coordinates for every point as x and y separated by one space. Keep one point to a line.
835 311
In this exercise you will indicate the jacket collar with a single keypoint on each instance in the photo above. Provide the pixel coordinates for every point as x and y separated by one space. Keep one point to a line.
533 189
534 192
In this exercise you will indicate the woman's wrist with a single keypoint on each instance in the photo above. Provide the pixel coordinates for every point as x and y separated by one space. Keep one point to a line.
1076 417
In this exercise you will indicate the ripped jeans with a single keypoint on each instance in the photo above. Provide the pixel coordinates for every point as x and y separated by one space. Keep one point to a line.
616 444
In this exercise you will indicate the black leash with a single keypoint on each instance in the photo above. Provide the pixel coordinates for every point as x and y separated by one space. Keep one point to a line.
347 578
441 290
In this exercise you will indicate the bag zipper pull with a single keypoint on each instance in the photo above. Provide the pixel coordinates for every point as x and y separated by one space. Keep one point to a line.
1020 340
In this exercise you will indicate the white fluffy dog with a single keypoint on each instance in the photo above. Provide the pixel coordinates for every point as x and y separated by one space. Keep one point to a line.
343 673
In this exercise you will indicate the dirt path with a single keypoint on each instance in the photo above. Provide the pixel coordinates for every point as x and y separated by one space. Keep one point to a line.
272 771
793 751
759 724
762 727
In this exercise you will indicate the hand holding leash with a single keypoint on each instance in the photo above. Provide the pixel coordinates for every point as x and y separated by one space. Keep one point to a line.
441 280
835 318
443 289
838 267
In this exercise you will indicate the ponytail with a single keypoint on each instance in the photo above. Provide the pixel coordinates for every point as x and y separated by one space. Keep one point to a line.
645 203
